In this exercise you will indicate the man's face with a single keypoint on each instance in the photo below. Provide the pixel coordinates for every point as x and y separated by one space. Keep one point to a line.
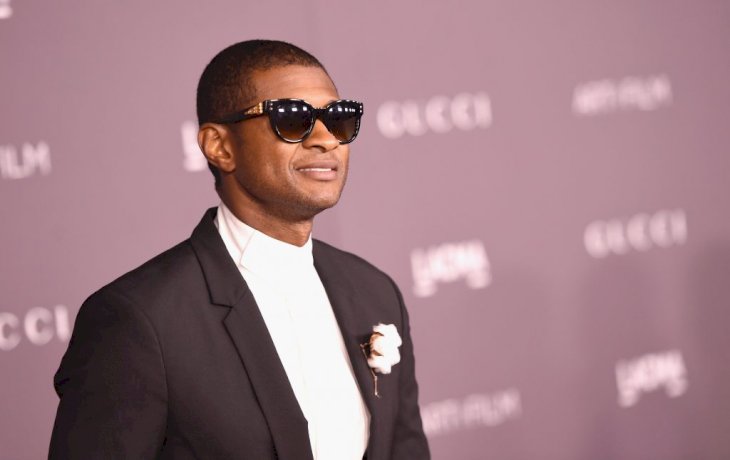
287 180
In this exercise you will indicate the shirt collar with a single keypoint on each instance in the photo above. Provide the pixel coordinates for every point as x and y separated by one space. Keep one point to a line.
257 251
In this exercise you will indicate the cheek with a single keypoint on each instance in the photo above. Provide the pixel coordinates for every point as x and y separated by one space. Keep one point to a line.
261 158
264 171
346 162
271 169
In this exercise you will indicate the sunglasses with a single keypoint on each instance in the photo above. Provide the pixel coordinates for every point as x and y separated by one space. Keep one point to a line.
293 119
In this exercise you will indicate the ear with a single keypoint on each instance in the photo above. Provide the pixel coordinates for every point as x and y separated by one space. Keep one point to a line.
214 140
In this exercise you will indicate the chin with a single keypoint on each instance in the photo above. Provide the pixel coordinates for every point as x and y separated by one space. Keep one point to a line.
313 206
324 204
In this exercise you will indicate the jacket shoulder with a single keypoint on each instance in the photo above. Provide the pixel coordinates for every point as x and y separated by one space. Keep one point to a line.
353 263
168 272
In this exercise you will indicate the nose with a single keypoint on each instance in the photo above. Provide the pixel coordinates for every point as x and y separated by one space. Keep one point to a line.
320 138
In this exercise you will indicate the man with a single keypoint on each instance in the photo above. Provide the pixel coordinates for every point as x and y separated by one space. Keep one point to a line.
249 340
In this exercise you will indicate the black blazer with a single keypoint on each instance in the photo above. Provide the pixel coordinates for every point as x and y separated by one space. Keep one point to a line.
174 361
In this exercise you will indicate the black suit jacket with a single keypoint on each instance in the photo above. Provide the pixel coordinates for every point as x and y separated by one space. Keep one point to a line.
174 361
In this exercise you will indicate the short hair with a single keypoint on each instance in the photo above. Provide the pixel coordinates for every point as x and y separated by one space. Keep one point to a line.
226 81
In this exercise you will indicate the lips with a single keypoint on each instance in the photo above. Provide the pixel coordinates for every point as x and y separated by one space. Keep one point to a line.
323 170
316 169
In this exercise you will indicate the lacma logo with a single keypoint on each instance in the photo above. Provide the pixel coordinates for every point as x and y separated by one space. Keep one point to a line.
631 93
648 373
450 262
475 410
640 232
6 11
439 114
193 158
39 325
25 162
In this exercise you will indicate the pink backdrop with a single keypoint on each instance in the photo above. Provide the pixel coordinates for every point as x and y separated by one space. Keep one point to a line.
547 182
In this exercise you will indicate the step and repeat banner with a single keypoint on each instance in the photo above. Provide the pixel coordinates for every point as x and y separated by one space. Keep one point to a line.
547 182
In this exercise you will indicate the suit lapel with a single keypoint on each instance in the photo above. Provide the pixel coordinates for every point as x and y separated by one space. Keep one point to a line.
252 340
346 303
268 377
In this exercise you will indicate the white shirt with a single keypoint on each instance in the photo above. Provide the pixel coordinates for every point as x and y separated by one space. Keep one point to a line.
300 320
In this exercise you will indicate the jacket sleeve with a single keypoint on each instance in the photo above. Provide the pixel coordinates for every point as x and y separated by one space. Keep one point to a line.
111 384
409 439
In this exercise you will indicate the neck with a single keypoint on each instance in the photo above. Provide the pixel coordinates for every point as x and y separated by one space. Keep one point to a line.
289 230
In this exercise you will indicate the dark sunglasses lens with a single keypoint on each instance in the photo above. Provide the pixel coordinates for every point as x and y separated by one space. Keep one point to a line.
292 119
343 120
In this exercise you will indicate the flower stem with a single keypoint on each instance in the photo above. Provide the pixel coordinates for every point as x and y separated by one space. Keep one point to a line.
363 346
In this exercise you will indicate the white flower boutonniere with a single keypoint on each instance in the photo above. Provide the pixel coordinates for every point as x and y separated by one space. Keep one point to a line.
381 350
